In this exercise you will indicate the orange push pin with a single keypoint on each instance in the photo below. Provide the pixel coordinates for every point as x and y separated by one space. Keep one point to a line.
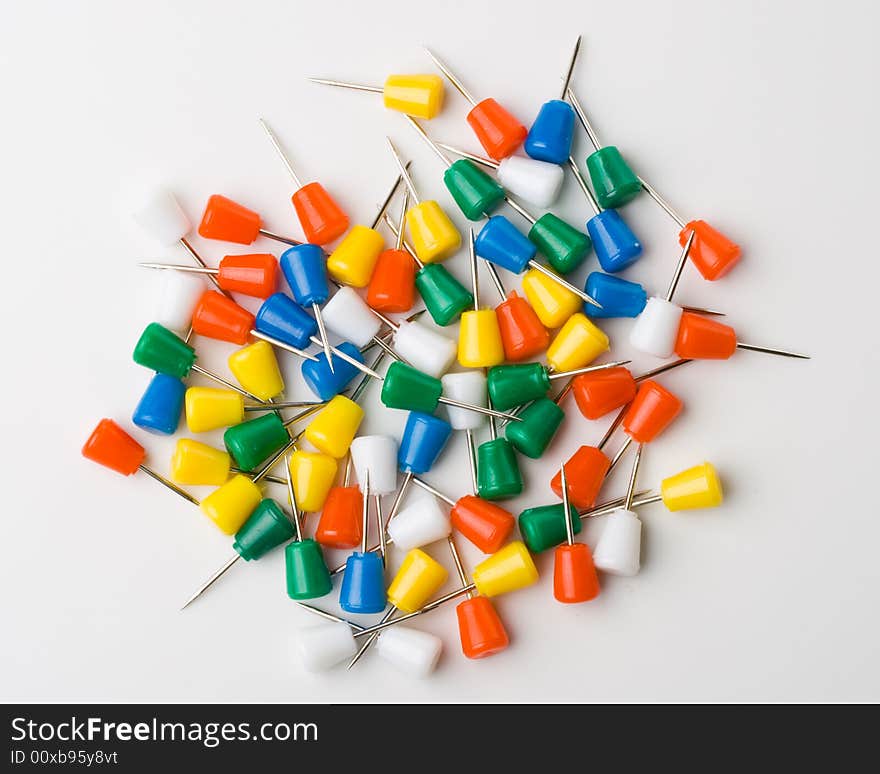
574 574
700 338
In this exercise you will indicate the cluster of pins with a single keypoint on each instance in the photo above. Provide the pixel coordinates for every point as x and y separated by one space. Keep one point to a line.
345 284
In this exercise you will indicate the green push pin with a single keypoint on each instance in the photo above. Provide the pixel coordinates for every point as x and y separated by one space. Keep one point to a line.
498 475
540 421
444 296
613 181
307 573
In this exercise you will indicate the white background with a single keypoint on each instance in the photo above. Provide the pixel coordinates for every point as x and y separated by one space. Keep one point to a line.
760 117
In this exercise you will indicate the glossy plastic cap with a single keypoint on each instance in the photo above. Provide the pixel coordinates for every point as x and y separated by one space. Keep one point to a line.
109 445
419 523
696 487
417 580
509 569
162 217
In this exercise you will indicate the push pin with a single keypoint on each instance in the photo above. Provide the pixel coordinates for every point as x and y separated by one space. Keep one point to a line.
616 246
467 387
577 344
618 551
695 488
622 298
496 129
392 287
613 181
363 586
312 474
712 253
550 136
210 408
321 218
574 574
522 332
649 414
498 474
421 347
251 275
433 234
339 525
228 221
109 445
479 337
413 95
700 338
255 368
306 274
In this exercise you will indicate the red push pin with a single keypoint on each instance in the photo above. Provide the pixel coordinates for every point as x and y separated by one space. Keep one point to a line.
255 274
340 523
109 445
650 413
523 335
392 287
700 338
229 221
574 574
496 129
321 218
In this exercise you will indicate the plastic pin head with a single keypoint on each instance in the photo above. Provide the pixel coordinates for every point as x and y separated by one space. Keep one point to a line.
255 367
109 445
219 317
696 487
509 569
651 412
416 581
496 129
229 221
159 409
321 218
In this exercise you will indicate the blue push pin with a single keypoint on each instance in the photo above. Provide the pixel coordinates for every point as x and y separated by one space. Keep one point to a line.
502 243
159 410
363 585
286 321
552 133
619 297
306 273
326 381
614 242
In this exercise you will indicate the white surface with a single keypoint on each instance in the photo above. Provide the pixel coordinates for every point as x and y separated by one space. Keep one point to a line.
761 118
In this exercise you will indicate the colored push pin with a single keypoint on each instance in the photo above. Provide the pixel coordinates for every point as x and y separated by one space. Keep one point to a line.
162 351
306 274
649 414
421 347
363 585
692 489
467 387
486 525
313 474
163 217
510 569
613 181
565 248
229 221
109 445
324 382
321 218
158 410
424 438
306 571
480 629
514 385
210 408
536 182
251 275
550 136
354 259
552 303
712 253
496 129
479 337
577 344
523 335
574 574
618 550
444 296
252 442
327 645
700 338
616 246
656 328
339 525
434 235
417 580
539 422
255 368
622 298
602 392
498 474
196 464
414 95
392 287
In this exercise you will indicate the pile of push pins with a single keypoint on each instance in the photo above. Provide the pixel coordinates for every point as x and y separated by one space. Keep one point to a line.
349 291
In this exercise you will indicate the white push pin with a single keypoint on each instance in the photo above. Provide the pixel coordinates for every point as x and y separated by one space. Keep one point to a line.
656 328
424 349
180 293
467 387
376 454
419 523
618 551
349 317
